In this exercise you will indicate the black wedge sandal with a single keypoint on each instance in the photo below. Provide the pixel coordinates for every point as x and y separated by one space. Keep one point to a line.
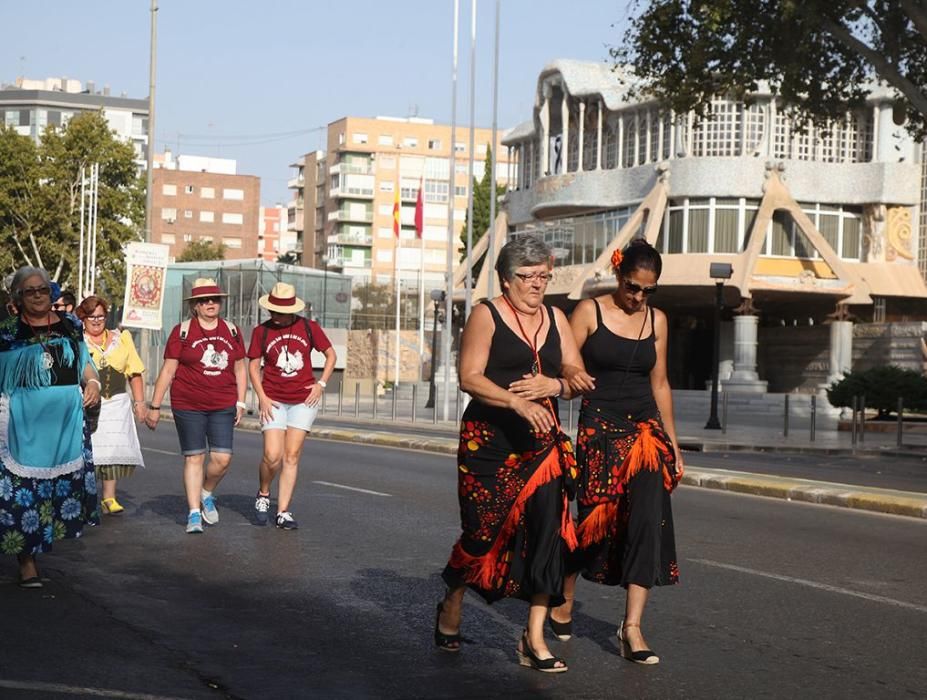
527 657
562 630
445 642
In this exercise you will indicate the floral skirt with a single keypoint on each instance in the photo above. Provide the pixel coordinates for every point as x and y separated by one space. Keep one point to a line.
515 521
626 474
34 513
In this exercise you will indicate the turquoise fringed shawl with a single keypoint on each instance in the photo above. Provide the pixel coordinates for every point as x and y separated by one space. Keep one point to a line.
24 367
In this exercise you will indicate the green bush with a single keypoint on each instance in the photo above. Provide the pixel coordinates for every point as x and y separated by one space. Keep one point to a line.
881 386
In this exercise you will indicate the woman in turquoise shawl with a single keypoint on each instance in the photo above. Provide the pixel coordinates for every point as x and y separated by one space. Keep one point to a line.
47 485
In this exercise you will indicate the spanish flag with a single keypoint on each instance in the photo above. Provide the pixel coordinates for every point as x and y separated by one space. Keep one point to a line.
397 213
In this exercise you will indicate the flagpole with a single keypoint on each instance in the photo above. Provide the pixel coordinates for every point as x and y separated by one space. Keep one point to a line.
398 230
491 248
451 248
421 272
468 291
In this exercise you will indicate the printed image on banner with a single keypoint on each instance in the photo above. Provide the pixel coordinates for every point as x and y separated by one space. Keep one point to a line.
146 269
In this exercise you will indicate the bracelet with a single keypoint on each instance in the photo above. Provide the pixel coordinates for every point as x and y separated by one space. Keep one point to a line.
136 403
241 404
95 381
560 390
322 383
152 407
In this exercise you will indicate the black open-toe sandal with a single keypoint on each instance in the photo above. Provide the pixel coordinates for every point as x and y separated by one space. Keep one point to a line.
562 630
527 657
445 642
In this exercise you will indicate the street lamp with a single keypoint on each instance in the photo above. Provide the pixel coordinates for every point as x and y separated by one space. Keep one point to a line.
437 296
718 272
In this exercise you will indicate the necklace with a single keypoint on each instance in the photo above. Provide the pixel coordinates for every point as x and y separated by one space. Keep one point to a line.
533 344
101 347
48 360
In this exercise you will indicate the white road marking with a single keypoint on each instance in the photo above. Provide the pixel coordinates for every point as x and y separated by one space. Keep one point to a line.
814 584
80 690
161 452
352 488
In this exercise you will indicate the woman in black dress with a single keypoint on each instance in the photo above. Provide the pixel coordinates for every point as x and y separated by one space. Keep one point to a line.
514 461
627 452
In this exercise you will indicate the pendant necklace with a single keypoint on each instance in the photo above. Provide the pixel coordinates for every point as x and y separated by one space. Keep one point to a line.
48 360
536 365
102 347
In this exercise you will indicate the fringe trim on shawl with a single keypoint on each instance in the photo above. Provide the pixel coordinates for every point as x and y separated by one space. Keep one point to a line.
24 368
481 570
598 524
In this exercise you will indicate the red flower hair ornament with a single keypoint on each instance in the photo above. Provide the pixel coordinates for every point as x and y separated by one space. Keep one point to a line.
617 257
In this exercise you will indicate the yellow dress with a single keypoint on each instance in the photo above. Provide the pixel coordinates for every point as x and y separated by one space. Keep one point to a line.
116 448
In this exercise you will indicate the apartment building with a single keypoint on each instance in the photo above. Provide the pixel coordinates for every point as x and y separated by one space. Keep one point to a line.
274 239
342 209
29 106
195 198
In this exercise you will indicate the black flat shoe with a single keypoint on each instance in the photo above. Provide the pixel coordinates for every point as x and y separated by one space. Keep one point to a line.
562 630
31 582
445 642
527 657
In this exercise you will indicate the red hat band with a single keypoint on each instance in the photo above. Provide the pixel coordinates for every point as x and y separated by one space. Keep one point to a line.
281 301
206 291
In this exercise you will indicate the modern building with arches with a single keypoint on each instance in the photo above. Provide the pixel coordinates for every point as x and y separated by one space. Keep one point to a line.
819 225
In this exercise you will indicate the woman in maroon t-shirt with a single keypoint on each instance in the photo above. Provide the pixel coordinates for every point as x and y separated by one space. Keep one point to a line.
204 366
281 373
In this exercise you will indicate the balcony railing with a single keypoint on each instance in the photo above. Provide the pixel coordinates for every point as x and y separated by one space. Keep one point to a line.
351 238
295 183
347 215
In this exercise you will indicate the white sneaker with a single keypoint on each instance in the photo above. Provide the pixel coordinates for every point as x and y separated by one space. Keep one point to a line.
210 514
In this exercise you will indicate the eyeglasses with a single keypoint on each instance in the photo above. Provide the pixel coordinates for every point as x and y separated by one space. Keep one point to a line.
36 291
59 307
209 300
635 288
96 318
543 277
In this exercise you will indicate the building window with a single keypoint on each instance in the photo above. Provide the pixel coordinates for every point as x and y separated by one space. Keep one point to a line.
188 189
168 238
629 159
54 117
359 138
188 238
727 224
232 218
460 147
610 136
698 227
234 243
233 194
410 142
385 140
436 191
169 215
207 193
434 144
460 191
169 190
207 217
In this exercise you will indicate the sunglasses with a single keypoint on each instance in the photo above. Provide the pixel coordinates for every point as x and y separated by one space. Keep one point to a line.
36 291
635 288
59 307
543 277
209 300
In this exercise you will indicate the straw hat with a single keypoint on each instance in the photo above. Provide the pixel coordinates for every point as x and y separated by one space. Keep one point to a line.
205 287
282 299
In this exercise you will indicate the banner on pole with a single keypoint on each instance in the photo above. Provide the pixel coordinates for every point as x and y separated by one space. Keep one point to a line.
146 268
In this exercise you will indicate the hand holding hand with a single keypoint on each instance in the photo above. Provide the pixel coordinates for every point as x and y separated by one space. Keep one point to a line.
535 386
91 393
152 418
140 410
579 380
239 412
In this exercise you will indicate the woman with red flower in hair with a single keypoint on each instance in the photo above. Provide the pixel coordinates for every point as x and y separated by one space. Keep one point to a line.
628 457
514 462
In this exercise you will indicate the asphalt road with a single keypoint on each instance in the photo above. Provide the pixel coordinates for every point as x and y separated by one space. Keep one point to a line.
777 599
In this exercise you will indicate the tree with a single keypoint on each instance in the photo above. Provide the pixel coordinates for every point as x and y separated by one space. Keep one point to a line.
881 386
40 200
202 250
820 56
288 258
481 203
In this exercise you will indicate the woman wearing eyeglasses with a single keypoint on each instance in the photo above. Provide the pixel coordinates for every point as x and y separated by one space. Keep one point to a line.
204 366
514 461
47 485
116 451
626 448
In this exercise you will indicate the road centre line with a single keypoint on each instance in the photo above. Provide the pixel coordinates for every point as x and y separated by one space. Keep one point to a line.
814 584
80 690
352 488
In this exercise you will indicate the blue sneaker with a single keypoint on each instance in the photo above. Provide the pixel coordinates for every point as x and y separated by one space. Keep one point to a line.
194 523
285 521
261 507
210 514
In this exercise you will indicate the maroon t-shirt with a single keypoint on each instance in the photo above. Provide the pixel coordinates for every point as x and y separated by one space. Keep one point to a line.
287 375
205 377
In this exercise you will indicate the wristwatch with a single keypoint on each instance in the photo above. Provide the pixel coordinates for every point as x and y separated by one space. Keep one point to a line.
241 404
322 383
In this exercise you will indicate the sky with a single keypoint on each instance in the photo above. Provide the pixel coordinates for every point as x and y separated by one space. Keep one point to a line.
254 80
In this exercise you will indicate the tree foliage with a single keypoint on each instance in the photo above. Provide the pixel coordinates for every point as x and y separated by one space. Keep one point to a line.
482 190
882 387
40 200
202 250
288 258
820 56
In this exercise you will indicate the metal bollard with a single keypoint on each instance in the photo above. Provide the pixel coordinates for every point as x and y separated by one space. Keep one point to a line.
376 404
434 409
395 397
322 406
340 397
785 418
724 413
853 422
862 418
570 416
357 400
814 415
457 413
414 397
898 439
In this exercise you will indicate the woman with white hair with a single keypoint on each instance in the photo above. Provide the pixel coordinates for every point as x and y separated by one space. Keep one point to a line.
47 485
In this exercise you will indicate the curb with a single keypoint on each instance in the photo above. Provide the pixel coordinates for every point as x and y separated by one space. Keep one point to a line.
905 503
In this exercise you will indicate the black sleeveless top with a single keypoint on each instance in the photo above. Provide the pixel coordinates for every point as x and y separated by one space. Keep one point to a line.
621 367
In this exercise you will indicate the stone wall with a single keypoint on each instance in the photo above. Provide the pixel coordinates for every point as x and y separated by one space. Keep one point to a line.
372 356
889 344
794 358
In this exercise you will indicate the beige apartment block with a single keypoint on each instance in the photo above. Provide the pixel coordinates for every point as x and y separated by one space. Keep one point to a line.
204 199
342 208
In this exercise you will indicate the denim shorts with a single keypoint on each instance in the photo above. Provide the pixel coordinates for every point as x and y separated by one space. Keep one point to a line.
292 415
202 430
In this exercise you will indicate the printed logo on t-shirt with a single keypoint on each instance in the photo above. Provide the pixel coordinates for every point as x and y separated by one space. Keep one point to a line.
214 361
289 361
